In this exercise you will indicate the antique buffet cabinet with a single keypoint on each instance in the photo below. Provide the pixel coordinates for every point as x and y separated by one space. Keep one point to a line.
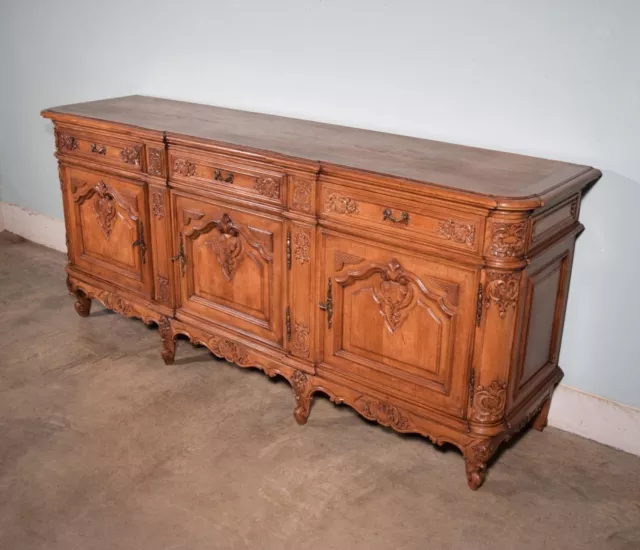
421 283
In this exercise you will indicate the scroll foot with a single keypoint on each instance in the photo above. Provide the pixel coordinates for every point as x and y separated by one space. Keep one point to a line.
476 457
83 304
476 474
303 392
168 341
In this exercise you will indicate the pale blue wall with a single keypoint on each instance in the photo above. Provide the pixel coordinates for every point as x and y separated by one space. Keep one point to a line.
558 79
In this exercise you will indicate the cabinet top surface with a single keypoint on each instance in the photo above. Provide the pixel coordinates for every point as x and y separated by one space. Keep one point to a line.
468 169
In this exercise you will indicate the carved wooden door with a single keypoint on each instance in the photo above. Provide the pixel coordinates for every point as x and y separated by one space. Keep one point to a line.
108 229
399 321
230 266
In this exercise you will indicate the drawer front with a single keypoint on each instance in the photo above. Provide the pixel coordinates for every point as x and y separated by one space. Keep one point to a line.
398 321
227 175
108 228
230 266
436 226
97 147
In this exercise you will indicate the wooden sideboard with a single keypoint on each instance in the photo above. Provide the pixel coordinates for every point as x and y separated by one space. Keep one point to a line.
421 283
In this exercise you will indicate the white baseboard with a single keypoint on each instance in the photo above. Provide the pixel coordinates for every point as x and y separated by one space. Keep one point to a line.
34 226
596 418
572 410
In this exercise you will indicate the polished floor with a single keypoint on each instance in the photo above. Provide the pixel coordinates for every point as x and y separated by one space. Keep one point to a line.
102 446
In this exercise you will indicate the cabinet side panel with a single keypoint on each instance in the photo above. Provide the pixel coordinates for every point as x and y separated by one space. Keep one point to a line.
544 302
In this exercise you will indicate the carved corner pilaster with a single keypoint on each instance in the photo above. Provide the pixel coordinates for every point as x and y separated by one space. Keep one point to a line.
505 243
489 402
502 290
507 239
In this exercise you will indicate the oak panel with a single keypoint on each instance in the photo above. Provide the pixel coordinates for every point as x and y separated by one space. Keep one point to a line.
233 265
109 228
399 321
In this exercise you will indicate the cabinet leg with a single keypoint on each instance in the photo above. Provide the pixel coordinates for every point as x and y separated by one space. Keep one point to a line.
303 391
476 457
476 473
83 304
540 421
168 341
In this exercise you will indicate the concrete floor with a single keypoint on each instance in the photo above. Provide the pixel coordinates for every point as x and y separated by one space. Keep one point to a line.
102 446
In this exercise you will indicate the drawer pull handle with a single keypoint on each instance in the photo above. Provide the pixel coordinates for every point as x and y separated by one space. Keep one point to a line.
102 150
387 215
328 305
217 175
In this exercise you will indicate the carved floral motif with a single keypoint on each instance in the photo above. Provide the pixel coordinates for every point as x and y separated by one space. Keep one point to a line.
300 344
507 239
299 381
163 288
384 413
302 243
155 162
464 233
64 141
130 155
157 205
232 352
301 199
394 294
117 303
227 246
269 187
574 208
184 168
489 402
335 202
302 390
104 208
502 290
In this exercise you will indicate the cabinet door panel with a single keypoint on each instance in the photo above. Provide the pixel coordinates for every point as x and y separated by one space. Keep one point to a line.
108 228
402 322
233 266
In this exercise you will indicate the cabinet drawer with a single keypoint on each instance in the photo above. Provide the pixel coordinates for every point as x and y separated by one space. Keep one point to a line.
232 176
441 227
99 147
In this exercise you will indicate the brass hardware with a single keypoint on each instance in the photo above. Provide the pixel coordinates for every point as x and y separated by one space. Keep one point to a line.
472 384
288 249
288 324
140 242
217 175
479 306
180 256
328 305
387 215
102 150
